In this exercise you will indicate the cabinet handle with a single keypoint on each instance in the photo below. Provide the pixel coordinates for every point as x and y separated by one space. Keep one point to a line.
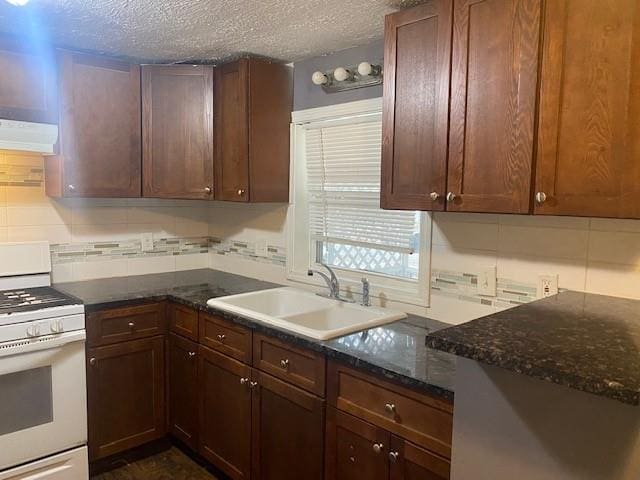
390 408
541 197
131 325
221 337
393 457
378 447
191 354
284 363
434 196
92 361
240 192
451 197
244 381
208 190
71 187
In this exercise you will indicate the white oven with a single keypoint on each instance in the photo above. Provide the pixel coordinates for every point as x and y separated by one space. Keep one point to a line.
43 401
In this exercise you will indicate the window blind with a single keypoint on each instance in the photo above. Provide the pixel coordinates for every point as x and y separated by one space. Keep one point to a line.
343 182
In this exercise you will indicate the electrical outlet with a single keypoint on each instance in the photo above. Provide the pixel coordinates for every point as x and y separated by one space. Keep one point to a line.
261 247
146 240
547 285
487 282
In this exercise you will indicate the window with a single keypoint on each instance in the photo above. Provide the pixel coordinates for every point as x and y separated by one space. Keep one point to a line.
337 218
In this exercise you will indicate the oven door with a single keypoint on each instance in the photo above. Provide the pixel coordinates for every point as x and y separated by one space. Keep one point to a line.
43 405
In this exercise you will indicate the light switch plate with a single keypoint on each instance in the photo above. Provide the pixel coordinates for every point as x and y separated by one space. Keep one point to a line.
261 247
146 239
487 281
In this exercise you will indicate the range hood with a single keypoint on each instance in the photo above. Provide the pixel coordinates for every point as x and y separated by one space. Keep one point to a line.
28 137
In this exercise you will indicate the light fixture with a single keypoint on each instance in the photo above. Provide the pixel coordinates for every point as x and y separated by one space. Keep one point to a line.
18 3
349 77
319 78
341 74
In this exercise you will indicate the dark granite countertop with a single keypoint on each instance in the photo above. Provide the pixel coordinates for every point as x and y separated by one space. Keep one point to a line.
583 341
396 351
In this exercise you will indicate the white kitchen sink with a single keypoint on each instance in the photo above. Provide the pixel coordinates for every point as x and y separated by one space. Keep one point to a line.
305 312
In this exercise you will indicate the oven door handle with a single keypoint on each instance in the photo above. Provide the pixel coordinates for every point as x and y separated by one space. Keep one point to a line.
46 342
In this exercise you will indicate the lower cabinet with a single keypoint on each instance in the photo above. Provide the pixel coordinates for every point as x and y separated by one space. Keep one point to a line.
183 390
225 414
288 431
358 450
126 392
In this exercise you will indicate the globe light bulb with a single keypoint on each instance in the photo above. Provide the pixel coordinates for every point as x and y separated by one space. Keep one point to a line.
341 74
365 69
319 78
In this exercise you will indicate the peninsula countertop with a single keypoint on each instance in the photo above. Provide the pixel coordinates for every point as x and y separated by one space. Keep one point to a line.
395 351
583 341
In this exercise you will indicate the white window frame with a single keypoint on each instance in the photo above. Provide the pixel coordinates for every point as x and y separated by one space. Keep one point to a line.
301 256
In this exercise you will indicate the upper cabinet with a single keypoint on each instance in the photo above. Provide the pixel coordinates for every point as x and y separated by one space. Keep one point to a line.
27 83
253 101
99 143
589 127
416 106
177 131
494 73
489 110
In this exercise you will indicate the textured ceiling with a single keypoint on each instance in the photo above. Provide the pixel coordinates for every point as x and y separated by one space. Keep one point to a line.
182 30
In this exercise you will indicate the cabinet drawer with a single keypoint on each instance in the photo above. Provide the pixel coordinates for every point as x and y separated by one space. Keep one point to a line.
226 337
300 367
128 323
183 321
422 419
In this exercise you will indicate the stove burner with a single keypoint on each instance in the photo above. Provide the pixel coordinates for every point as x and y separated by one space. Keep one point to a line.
13 301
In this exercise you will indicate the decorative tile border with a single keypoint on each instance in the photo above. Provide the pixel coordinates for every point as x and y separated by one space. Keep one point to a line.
21 175
247 250
463 286
118 249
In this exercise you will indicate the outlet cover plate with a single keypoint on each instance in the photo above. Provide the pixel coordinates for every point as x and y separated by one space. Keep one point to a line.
547 285
146 240
261 247
487 282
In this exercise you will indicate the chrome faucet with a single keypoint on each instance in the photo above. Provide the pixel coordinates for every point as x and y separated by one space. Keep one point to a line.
332 282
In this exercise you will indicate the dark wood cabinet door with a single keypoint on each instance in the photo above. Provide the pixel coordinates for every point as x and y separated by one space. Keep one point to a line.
355 448
288 431
588 160
177 131
416 107
410 462
126 392
225 413
28 82
494 76
183 390
100 139
232 131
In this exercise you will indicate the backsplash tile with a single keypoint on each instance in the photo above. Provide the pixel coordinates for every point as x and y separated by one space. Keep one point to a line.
21 175
276 255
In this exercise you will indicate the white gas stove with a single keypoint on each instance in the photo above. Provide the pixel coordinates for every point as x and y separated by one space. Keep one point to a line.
43 411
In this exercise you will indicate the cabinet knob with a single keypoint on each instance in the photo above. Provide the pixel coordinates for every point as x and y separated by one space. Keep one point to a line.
378 447
393 457
208 190
451 197
240 192
253 385
221 337
71 187
191 354
92 361
284 363
541 197
390 408
434 196
244 381
131 325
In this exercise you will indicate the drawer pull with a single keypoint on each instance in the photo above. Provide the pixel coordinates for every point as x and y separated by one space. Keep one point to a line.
131 325
390 408
284 363
221 337
393 457
378 448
